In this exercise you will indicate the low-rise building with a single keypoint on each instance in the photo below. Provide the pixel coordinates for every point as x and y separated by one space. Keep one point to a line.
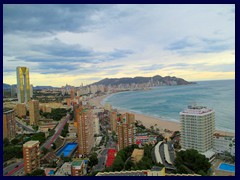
222 144
78 168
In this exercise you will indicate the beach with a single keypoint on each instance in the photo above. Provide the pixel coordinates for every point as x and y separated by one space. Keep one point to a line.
149 121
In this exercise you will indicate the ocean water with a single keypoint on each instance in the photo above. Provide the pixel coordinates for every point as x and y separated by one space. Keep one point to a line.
167 101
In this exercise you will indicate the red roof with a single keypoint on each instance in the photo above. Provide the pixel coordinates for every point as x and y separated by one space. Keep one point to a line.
111 157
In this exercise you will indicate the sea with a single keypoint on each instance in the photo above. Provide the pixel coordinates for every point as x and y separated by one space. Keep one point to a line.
165 102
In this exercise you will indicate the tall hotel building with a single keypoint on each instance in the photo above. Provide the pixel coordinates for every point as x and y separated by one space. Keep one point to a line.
126 130
85 131
34 112
31 156
9 125
197 128
23 85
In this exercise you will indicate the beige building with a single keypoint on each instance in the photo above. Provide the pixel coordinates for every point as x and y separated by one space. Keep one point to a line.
23 84
137 155
34 112
21 110
85 131
9 125
125 131
31 156
197 128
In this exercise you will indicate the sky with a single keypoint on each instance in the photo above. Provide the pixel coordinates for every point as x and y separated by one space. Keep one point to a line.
75 44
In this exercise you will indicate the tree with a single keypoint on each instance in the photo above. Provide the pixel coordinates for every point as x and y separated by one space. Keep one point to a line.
54 146
93 159
37 172
5 142
191 160
15 141
45 150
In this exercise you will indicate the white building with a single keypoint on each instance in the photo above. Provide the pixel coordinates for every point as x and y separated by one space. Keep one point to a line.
224 143
197 128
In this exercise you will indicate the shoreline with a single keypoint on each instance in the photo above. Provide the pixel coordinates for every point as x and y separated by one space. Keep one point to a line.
149 121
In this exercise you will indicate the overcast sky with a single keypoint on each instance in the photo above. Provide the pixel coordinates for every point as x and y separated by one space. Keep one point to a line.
74 44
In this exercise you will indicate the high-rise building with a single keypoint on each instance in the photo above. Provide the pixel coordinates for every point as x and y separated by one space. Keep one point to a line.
96 124
85 131
21 110
9 124
113 121
13 91
197 128
31 156
31 91
72 94
34 112
125 131
23 85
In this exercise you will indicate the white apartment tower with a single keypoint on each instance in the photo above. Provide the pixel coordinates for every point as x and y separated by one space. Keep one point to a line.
197 128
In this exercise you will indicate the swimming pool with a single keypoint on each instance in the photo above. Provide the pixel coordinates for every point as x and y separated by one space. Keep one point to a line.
67 149
227 167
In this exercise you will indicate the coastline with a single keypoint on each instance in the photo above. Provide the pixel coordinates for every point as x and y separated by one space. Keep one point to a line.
149 121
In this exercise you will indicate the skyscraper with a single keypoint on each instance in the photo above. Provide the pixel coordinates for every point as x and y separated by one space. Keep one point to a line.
113 121
31 156
126 131
197 128
23 85
9 124
85 131
34 112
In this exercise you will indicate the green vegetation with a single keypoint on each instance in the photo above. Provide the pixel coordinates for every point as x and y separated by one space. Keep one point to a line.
93 160
5 142
190 161
38 172
12 152
35 127
38 137
15 141
65 130
45 150
56 114
54 146
123 160
51 132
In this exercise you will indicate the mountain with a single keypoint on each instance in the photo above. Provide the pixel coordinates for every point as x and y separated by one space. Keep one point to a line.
158 80
6 86
42 87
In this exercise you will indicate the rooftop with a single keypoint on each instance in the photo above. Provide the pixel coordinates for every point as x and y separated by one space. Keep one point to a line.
31 143
77 163
196 110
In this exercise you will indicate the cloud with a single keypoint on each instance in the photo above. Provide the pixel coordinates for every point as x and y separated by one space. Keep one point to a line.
117 40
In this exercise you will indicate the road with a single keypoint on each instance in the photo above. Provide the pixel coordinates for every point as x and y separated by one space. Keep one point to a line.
15 170
58 131
19 123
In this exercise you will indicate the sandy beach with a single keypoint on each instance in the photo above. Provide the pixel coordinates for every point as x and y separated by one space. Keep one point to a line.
148 121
